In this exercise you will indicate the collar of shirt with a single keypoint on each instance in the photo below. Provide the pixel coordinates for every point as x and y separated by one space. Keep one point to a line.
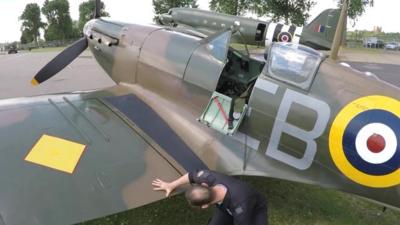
227 199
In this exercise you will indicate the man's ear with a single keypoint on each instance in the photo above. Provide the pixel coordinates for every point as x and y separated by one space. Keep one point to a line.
204 184
204 206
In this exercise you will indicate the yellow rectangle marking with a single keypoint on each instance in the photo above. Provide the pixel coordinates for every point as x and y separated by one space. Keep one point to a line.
56 153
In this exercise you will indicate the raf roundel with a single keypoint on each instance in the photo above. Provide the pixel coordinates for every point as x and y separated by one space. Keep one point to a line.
285 37
364 141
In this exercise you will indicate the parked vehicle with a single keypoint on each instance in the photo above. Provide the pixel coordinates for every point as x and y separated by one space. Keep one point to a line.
12 49
392 46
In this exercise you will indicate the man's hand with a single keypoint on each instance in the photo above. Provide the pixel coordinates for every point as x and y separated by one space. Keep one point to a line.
168 187
160 185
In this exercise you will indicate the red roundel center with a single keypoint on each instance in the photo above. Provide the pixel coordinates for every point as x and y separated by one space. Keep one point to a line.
376 143
285 38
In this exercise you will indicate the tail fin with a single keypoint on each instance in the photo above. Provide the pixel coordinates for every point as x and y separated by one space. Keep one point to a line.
320 32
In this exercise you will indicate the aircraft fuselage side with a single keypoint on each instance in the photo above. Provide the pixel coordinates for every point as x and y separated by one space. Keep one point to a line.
286 134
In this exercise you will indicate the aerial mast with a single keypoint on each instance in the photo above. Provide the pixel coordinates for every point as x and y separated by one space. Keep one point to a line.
339 30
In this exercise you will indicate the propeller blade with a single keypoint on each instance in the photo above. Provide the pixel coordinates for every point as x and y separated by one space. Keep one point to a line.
97 9
60 61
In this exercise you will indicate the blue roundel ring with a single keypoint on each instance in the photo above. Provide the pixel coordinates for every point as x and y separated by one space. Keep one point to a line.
349 141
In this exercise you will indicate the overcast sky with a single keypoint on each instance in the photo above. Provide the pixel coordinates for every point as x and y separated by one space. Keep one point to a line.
385 13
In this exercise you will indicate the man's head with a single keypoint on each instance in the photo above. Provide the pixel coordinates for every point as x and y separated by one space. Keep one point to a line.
198 195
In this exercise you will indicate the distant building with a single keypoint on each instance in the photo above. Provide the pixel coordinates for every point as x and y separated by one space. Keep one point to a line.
373 42
377 29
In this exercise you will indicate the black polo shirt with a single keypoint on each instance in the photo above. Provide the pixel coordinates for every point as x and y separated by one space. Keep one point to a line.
238 196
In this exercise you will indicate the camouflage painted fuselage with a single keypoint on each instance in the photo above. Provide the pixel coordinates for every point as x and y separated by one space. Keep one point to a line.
289 132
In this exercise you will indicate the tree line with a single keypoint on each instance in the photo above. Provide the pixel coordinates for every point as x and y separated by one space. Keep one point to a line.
60 26
295 12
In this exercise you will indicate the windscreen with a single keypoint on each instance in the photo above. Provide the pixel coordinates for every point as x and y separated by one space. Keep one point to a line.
294 64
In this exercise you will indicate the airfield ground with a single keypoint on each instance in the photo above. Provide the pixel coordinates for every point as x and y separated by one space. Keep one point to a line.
370 55
17 70
289 203
383 63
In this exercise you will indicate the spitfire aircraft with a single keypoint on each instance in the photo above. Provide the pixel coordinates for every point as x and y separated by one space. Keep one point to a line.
298 116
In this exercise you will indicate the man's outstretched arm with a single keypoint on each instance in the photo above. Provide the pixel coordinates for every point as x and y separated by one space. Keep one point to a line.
168 187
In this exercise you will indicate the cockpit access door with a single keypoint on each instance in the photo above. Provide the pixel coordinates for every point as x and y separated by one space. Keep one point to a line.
208 60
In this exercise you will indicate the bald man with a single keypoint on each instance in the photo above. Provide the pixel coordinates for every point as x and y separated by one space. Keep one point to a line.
236 202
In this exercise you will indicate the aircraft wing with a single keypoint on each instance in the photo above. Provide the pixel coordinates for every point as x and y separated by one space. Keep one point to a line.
75 157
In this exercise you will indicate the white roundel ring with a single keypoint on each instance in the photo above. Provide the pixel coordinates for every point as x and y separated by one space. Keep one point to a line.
376 153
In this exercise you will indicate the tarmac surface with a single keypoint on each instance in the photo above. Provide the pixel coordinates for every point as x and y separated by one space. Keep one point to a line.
382 63
83 74
17 71
386 72
370 56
